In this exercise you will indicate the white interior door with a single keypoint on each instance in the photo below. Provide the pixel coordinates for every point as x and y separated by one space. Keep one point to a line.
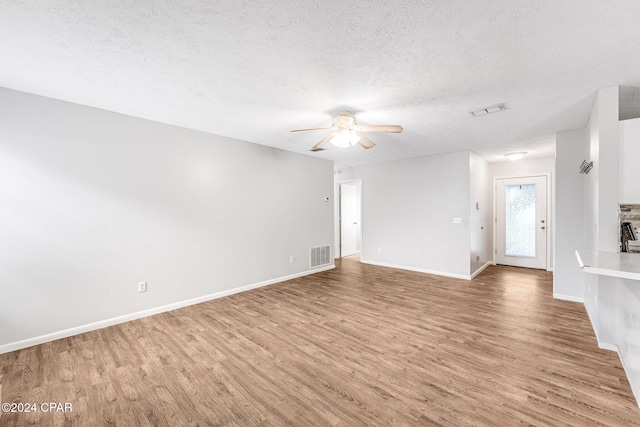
521 222
349 218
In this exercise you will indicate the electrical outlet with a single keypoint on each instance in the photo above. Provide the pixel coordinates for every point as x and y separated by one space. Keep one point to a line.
417 254
142 287
379 250
291 259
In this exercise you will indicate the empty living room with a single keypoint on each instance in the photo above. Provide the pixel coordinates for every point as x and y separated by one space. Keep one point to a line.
344 213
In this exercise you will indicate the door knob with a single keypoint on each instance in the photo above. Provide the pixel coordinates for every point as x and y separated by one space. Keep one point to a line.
542 221
543 227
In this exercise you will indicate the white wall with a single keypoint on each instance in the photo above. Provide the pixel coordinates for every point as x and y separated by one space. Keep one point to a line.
568 281
630 161
407 211
523 167
480 212
613 304
94 202
608 170
602 195
628 330
628 291
591 189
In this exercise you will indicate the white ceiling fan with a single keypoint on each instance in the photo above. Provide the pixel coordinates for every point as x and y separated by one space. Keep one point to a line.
346 132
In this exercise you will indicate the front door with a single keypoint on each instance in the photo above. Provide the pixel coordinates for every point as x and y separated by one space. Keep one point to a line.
521 222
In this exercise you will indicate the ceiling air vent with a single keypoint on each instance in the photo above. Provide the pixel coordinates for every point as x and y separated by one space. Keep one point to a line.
488 110
319 256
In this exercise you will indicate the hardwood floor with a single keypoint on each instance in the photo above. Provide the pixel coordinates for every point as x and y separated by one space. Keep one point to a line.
358 345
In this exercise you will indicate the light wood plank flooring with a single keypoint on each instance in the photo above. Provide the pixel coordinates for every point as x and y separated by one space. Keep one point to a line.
358 345
354 257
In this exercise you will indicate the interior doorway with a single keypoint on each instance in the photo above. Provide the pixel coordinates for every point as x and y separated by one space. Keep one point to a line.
349 218
521 219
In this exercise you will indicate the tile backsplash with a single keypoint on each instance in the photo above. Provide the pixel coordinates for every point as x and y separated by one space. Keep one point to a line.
630 213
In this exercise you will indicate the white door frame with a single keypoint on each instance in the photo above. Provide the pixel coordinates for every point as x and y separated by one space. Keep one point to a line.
550 225
358 183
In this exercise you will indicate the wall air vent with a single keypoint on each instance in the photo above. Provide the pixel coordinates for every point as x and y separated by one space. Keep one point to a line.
320 256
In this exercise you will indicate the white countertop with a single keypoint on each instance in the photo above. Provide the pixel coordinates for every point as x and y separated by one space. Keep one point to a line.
624 265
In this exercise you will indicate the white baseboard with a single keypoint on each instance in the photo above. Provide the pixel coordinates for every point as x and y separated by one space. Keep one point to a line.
635 391
145 313
601 344
569 298
612 347
478 271
593 325
607 346
419 270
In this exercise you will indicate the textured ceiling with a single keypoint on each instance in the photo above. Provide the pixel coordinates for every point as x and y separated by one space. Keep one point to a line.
254 70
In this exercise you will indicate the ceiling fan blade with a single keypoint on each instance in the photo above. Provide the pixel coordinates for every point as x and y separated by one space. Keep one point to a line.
324 141
365 142
380 128
308 130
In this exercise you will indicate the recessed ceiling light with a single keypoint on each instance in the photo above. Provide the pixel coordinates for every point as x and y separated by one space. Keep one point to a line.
515 156
487 110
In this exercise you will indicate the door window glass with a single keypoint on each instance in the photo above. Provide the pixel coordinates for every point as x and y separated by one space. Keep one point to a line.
520 220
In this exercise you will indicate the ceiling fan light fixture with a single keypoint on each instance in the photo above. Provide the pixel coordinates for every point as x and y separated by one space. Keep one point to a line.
515 156
346 132
345 139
